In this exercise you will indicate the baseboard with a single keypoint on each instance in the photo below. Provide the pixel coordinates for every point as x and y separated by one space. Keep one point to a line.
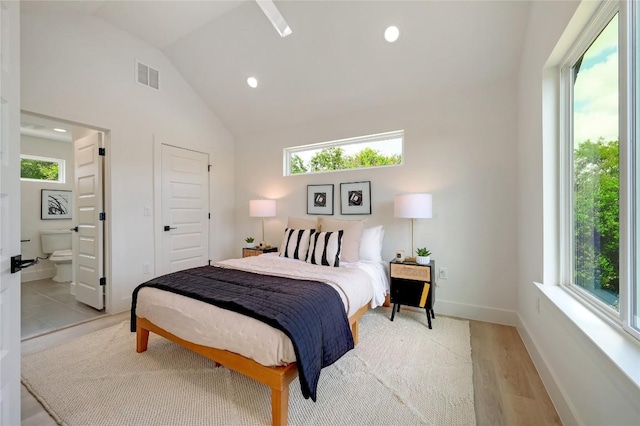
548 378
37 273
474 312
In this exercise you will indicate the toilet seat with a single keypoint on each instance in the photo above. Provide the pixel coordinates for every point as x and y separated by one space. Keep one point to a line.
61 256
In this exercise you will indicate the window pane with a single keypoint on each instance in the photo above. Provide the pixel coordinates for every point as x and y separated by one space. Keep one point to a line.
596 168
361 152
39 169
635 283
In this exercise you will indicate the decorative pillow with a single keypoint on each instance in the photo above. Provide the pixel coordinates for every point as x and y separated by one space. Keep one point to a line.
297 223
352 235
295 244
324 248
371 244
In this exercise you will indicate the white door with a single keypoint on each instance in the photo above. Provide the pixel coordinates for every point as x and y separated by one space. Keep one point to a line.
88 267
9 212
185 209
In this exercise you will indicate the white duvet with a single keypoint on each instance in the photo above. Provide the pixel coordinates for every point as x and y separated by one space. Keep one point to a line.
204 324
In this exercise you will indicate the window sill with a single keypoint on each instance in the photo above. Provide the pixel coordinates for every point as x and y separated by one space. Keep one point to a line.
620 347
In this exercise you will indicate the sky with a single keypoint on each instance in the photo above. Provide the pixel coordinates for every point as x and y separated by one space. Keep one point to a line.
596 89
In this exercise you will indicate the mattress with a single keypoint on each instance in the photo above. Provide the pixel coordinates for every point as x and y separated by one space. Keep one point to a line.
198 322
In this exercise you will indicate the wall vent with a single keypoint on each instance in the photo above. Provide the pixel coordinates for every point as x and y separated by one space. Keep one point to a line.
147 76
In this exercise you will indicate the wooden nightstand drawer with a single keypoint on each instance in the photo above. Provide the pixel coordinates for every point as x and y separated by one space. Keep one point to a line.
411 272
248 252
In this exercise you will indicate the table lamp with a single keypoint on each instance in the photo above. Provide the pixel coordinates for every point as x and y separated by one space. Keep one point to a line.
262 209
412 206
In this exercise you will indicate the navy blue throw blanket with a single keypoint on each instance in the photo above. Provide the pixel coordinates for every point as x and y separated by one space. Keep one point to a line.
310 313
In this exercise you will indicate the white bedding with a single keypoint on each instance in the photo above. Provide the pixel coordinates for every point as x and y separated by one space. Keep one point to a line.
204 324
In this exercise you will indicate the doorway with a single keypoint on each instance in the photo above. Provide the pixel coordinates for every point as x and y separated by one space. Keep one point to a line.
50 296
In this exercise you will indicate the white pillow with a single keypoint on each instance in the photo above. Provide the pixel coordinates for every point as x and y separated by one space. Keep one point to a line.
371 243
324 248
298 223
352 235
295 243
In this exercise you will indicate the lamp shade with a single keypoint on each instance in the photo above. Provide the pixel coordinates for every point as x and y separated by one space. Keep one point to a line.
412 206
262 208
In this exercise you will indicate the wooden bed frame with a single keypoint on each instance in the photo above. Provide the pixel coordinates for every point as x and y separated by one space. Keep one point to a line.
277 378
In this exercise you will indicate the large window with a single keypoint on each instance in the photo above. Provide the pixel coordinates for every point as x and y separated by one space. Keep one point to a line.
384 149
41 169
598 244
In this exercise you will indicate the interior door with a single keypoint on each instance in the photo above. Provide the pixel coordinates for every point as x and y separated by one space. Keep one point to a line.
9 212
88 265
185 209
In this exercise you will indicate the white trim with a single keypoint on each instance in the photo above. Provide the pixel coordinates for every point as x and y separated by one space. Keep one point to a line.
472 312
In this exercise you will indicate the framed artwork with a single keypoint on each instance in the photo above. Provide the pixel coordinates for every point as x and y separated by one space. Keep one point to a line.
355 198
320 199
56 204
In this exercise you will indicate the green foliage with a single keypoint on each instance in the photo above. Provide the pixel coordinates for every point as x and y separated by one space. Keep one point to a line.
334 158
423 252
297 165
596 216
249 239
38 169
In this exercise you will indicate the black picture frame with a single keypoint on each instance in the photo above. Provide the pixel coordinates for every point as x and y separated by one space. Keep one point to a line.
355 198
320 199
56 204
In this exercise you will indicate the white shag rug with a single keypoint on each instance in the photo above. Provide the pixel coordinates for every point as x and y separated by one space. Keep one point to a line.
400 373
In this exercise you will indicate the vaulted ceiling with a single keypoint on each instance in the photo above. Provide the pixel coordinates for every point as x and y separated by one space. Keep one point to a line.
336 61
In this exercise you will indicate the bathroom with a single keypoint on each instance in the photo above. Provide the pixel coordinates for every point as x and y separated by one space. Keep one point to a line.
48 300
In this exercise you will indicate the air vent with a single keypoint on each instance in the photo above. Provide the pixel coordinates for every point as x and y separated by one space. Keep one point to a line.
147 76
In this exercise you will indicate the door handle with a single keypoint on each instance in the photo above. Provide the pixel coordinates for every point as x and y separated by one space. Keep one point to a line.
168 228
75 229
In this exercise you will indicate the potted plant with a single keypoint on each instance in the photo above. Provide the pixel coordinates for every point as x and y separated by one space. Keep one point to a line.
422 257
250 242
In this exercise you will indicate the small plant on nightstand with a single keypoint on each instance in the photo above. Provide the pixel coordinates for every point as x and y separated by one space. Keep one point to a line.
250 242
422 257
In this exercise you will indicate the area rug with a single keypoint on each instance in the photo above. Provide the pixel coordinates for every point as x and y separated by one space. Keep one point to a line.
400 373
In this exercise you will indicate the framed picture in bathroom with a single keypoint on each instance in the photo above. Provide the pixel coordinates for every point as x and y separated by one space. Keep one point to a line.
56 204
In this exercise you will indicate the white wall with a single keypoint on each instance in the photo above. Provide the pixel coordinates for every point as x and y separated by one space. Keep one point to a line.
31 222
585 386
30 191
459 146
82 69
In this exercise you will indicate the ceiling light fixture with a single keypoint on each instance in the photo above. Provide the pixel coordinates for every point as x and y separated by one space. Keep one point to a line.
252 82
60 130
391 34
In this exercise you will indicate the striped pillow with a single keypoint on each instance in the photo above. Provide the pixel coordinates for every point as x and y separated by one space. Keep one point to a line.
295 243
324 248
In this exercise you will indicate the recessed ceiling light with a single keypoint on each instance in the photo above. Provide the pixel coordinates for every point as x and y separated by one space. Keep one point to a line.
391 34
252 82
60 130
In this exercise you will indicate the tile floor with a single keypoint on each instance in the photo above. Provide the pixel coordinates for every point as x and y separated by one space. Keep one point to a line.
48 305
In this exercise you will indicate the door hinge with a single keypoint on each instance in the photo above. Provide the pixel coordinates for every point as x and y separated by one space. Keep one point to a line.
101 152
103 281
209 263
102 216
209 215
209 167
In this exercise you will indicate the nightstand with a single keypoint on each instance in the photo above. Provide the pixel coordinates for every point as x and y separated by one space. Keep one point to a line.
257 251
412 285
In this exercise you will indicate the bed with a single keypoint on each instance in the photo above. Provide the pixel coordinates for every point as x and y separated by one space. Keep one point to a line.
248 345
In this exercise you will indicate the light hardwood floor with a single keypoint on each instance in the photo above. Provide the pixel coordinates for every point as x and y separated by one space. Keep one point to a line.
507 387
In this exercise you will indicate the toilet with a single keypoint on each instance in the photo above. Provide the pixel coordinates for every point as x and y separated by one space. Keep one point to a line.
57 244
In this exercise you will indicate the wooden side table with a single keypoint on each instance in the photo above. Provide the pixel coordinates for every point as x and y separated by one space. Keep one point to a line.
412 285
257 251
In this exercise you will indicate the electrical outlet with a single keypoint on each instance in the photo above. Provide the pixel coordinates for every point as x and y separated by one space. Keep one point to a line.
442 273
147 210
145 268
